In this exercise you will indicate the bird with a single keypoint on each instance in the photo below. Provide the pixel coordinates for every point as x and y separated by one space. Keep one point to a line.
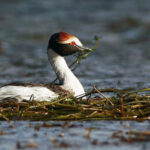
60 44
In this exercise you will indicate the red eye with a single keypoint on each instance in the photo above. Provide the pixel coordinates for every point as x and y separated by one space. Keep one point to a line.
72 43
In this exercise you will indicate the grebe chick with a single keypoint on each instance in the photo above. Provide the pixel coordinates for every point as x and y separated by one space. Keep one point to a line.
60 44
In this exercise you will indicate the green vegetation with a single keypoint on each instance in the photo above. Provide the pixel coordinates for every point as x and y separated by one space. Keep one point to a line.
124 105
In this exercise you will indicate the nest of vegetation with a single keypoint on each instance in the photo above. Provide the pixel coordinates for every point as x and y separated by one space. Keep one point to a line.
124 105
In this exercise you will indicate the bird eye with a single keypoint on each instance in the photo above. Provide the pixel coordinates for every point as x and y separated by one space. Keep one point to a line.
72 43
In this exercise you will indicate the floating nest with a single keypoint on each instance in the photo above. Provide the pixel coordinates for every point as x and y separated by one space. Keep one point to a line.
123 105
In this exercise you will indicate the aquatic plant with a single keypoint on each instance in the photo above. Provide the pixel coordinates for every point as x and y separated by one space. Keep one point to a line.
124 105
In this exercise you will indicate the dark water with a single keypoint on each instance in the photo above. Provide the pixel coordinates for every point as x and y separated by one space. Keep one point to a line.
121 60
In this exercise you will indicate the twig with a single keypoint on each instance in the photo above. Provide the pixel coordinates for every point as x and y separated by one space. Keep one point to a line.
103 95
81 57
61 99
9 122
87 134
121 107
93 91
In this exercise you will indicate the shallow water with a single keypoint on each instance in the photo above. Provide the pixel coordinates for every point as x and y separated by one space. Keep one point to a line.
121 60
72 135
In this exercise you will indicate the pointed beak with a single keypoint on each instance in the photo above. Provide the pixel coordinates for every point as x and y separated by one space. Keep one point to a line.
82 48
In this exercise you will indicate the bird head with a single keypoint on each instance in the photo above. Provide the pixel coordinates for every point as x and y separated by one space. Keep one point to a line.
66 44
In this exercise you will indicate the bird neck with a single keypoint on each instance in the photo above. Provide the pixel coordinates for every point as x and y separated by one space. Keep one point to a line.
66 77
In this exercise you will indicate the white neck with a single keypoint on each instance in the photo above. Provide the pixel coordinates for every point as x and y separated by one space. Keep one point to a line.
66 77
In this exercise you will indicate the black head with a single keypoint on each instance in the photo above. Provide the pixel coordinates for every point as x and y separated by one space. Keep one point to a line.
64 44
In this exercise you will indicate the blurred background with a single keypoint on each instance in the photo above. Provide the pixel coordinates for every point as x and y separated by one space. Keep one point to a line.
122 59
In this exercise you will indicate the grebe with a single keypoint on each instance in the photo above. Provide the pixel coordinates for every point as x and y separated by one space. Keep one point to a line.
60 44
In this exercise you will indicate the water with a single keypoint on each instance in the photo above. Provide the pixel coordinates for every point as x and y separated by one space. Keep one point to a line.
72 135
121 60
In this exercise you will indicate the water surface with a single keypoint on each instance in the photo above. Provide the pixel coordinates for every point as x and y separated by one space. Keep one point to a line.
122 58
121 61
73 135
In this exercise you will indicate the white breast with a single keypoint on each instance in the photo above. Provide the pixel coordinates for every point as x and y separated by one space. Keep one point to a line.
27 93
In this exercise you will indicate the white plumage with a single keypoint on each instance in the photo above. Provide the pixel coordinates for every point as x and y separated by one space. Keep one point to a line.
60 45
27 93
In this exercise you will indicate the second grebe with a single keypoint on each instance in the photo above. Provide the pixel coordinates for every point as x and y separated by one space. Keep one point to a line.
60 44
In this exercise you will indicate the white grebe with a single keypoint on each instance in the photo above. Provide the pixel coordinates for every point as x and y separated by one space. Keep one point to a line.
60 44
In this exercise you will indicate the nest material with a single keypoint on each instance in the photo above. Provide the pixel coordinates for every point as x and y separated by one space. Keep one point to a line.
124 105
